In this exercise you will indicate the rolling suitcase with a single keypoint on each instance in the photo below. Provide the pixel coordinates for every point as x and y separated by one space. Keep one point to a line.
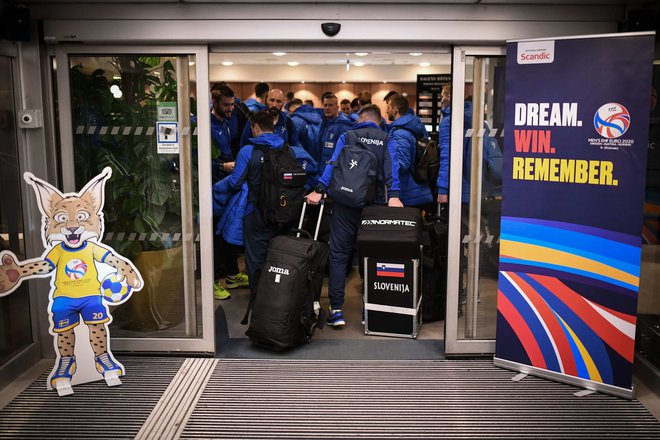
390 244
285 307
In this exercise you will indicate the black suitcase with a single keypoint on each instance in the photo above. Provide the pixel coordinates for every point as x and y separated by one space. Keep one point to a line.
434 269
389 232
285 308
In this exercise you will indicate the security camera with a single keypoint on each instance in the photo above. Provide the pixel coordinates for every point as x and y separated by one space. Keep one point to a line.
330 29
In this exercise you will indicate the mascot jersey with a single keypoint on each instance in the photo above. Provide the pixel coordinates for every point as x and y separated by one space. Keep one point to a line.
76 275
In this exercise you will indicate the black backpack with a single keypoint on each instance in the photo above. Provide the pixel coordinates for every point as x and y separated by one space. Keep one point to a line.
427 160
282 190
354 176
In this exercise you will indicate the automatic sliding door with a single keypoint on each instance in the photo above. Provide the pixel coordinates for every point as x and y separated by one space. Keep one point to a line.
475 199
136 112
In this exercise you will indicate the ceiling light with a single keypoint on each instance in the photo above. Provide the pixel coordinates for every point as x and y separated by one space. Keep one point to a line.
358 64
227 63
279 54
361 54
425 64
415 54
293 63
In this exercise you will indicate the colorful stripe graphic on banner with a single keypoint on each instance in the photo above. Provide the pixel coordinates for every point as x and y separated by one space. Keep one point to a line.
564 290
390 270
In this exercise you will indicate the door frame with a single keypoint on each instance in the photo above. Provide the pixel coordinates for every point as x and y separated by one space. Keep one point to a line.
453 345
205 343
32 352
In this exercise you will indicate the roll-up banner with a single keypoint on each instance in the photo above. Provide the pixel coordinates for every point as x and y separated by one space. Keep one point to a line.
577 118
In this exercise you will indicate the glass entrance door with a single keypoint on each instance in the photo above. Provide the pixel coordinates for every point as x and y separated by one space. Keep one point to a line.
135 111
475 198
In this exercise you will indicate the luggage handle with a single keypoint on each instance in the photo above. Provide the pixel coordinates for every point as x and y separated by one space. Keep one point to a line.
318 221
300 231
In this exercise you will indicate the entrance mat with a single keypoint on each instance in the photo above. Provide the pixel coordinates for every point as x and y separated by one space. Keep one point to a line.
282 399
94 411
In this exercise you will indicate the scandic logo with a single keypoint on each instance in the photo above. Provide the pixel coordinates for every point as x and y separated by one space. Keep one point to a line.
389 222
278 270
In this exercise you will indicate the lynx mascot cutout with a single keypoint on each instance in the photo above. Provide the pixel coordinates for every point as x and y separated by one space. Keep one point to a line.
72 232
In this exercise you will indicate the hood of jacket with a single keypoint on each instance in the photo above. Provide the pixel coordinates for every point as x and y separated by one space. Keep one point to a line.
253 103
308 114
271 140
341 118
411 123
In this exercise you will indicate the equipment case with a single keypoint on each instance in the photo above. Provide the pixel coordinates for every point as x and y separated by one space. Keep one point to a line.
389 240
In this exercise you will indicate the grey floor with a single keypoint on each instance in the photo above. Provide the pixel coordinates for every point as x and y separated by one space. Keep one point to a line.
343 343
234 309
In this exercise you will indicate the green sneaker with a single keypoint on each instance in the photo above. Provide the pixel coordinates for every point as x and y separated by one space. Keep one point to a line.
219 291
236 281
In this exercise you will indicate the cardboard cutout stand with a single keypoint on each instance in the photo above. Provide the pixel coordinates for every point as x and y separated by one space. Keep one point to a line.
86 277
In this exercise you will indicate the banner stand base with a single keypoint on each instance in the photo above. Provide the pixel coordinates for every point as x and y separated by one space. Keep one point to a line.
571 380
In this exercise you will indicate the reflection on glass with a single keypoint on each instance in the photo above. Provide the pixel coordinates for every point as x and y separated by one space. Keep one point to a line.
648 324
122 107
15 328
481 197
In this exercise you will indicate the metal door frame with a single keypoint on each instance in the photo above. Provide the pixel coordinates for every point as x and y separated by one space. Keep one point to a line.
32 353
207 342
453 345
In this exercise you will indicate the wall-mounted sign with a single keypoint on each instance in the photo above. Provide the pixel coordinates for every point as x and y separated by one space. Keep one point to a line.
166 111
167 137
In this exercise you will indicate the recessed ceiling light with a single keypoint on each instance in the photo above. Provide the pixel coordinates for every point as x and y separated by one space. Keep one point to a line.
279 54
425 64
227 63
361 54
358 64
293 63
415 54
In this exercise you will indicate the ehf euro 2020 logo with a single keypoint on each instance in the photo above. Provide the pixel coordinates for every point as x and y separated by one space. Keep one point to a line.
612 120
75 269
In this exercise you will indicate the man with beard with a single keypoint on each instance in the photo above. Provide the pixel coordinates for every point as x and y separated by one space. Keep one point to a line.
283 127
225 254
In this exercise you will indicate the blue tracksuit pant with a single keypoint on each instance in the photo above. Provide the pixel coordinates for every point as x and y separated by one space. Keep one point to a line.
343 232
